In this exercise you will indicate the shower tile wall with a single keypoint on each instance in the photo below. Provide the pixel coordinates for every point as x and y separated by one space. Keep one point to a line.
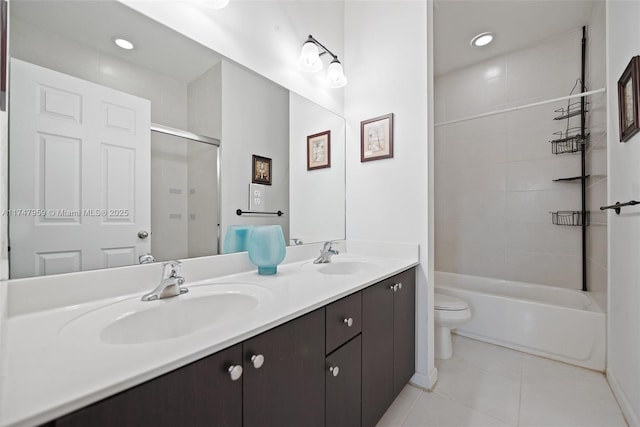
494 187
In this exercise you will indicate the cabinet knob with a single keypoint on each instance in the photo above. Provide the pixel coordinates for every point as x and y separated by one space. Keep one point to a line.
399 285
348 321
334 370
394 288
235 372
257 360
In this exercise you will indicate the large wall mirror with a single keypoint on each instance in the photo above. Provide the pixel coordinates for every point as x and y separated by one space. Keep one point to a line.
116 153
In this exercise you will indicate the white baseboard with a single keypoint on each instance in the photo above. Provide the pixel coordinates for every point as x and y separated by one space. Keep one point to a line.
627 410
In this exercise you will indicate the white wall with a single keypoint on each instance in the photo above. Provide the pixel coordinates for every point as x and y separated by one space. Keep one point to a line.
321 217
494 176
386 49
264 36
623 43
255 120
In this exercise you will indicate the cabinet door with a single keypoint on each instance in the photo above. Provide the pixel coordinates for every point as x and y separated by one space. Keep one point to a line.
404 329
288 388
377 351
199 394
343 386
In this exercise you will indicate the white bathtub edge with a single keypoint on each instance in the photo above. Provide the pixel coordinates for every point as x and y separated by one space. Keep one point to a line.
596 364
530 325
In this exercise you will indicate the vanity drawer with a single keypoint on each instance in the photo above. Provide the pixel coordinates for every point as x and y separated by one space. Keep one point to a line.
343 321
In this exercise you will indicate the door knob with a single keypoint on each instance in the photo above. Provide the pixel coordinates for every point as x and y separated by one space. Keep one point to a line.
235 372
257 360
143 234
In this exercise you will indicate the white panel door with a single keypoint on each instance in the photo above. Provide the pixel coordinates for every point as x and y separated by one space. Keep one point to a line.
79 181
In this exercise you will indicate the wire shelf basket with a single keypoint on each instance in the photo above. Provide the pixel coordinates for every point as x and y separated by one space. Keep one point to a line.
568 141
570 218
571 110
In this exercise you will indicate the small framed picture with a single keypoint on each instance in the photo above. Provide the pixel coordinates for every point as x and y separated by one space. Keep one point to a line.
261 170
319 150
628 98
376 138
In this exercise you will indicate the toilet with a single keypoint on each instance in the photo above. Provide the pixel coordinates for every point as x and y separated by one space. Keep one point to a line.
449 313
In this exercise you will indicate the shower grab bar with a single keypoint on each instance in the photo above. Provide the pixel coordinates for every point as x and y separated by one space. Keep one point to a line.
619 205
240 212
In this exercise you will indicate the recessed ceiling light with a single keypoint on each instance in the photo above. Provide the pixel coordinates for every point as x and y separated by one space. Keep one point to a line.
482 39
124 44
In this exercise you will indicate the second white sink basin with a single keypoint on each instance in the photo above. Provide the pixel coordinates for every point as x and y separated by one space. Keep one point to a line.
132 321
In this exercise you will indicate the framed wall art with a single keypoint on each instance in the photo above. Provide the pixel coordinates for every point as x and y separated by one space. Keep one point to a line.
628 99
261 170
319 150
376 138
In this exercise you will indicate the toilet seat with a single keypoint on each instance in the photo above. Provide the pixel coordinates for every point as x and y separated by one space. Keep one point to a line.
449 303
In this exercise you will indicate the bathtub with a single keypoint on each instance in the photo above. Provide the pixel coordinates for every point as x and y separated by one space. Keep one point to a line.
561 324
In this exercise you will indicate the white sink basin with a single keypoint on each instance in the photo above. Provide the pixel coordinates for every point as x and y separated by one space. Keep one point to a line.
344 267
132 321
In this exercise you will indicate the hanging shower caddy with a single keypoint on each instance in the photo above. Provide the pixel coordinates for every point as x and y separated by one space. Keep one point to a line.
573 140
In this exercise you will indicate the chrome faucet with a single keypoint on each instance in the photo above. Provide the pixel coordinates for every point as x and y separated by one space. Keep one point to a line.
170 284
326 253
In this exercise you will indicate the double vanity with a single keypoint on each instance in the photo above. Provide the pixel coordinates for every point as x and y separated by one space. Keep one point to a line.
317 344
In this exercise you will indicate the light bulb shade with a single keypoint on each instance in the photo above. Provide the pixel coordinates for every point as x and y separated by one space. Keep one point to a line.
335 75
309 60
267 248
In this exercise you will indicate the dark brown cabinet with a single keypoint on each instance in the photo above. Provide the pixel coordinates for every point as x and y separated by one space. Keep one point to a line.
388 343
199 394
340 365
343 386
287 389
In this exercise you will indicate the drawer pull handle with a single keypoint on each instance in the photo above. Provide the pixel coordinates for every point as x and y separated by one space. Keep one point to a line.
235 372
334 370
348 321
257 360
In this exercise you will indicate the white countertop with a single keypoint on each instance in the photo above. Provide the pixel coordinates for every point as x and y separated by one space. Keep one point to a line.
46 374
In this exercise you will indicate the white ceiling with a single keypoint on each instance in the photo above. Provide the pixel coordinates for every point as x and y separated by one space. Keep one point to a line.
515 23
95 23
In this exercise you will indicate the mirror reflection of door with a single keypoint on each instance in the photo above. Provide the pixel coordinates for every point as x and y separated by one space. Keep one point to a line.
79 186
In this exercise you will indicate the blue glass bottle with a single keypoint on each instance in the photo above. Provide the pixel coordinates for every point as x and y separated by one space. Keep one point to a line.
267 248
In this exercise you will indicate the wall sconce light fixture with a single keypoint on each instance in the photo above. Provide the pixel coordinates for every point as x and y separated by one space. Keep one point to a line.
310 61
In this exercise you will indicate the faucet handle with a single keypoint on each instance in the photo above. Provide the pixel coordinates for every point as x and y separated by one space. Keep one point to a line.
328 244
171 268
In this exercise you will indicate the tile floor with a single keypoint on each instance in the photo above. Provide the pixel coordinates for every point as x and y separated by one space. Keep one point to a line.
488 385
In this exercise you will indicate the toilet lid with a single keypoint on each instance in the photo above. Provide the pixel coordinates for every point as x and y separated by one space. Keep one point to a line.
449 303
